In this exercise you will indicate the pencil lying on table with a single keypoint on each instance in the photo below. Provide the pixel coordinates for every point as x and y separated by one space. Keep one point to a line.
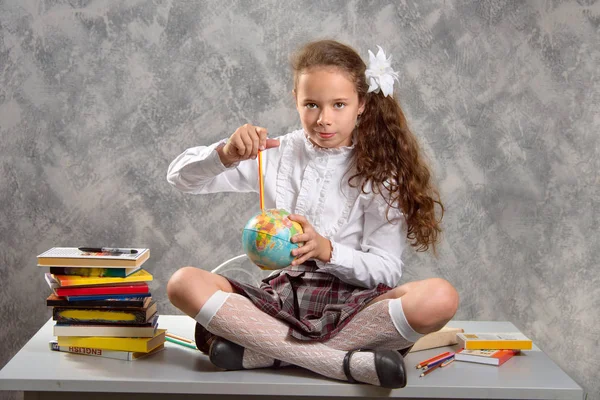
439 360
430 370
433 359
178 337
179 342
169 337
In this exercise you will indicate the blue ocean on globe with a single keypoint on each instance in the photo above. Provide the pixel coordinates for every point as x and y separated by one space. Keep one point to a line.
266 239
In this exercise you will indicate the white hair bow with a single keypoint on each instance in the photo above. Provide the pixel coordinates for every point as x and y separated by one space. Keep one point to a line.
380 74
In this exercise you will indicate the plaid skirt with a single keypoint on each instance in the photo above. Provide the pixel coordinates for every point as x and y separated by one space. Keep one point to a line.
316 305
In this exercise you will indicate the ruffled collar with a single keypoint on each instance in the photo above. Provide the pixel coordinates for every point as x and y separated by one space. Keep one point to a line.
314 151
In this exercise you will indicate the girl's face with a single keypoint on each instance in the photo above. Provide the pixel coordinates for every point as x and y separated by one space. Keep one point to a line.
328 105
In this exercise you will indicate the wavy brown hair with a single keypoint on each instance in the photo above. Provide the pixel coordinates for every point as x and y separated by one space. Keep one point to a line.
387 154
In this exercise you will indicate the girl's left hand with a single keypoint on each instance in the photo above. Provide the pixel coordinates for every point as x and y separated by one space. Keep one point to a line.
315 245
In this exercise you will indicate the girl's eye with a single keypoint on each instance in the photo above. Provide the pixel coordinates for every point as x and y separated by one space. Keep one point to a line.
311 106
339 105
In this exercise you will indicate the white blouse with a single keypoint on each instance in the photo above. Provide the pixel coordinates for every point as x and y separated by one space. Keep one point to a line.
311 181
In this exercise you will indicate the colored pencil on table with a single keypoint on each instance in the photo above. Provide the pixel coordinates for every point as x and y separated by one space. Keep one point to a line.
439 361
260 182
178 337
447 362
179 342
432 359
430 370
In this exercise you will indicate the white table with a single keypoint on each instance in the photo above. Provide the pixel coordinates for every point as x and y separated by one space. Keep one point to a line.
181 373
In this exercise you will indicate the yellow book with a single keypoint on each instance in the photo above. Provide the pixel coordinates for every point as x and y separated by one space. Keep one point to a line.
494 341
74 280
141 345
114 315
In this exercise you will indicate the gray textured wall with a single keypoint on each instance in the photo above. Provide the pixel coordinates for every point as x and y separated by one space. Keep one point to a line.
97 97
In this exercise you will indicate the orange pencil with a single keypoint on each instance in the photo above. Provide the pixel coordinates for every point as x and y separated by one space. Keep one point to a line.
432 359
178 337
260 182
430 370
447 362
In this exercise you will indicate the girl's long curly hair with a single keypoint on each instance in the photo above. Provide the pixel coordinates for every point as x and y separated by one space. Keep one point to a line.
387 154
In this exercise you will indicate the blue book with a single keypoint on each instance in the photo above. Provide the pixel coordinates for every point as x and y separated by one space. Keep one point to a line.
94 272
115 297
57 301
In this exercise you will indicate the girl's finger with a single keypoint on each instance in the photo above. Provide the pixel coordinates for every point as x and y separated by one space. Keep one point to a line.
300 219
247 143
270 143
300 237
301 260
238 145
255 141
262 138
300 251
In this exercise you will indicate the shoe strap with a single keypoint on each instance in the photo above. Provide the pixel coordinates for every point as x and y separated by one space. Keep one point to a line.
347 358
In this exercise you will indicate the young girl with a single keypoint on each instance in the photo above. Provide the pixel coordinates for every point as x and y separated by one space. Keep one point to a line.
353 177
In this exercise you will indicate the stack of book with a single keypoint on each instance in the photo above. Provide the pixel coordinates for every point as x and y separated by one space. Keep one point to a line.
101 302
490 348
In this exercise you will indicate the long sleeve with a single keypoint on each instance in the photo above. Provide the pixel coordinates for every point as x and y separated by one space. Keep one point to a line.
379 258
194 171
313 182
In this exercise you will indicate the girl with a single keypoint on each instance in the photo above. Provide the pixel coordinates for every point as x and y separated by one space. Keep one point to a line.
353 177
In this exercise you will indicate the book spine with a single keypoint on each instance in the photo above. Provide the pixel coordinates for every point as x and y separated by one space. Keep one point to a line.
113 343
66 315
111 297
103 331
497 344
66 281
104 343
102 290
88 351
91 272
117 302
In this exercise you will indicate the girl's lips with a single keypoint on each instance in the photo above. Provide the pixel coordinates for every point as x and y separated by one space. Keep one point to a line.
326 135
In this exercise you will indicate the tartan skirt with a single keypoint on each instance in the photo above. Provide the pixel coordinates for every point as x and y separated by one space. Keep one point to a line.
316 305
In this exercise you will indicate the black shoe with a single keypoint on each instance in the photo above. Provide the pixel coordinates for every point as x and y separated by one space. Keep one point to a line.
203 338
389 366
228 355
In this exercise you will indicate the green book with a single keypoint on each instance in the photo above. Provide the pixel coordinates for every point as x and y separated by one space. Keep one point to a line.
94 272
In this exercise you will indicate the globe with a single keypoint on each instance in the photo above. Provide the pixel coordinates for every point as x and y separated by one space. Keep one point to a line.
266 239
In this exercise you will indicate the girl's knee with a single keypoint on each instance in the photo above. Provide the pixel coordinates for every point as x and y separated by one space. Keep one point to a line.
180 282
189 288
444 297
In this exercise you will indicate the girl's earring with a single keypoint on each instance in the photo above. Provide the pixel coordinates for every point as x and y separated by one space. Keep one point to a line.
357 121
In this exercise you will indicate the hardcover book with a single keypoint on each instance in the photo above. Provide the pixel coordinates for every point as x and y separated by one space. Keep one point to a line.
61 329
491 357
151 322
74 281
128 301
143 345
93 271
115 288
104 315
115 354
77 299
73 257
494 341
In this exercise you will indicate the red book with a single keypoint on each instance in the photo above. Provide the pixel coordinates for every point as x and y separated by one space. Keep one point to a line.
492 357
134 288
131 288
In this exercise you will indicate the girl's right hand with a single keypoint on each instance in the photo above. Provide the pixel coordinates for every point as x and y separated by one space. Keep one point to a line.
244 144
